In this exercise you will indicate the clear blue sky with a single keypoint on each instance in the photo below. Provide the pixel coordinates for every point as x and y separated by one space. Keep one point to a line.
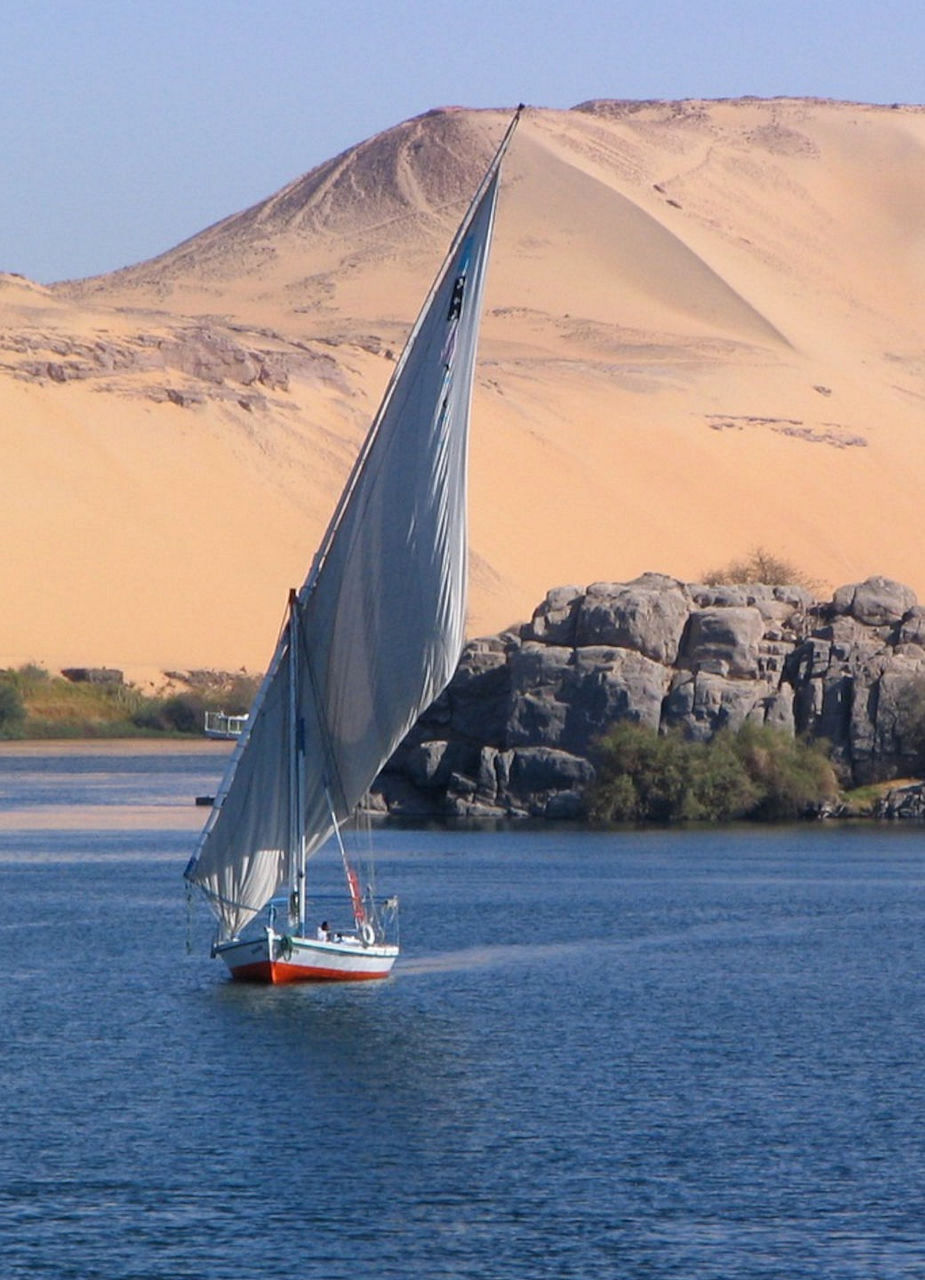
128 125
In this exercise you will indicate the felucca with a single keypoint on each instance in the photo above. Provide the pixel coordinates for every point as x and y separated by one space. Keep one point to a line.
371 638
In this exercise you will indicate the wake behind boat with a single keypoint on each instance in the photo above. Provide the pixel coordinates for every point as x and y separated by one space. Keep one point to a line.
371 639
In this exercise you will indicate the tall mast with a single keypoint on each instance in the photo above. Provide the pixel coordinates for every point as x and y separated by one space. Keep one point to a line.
296 750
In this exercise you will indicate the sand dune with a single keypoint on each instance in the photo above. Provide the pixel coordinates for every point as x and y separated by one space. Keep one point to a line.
703 332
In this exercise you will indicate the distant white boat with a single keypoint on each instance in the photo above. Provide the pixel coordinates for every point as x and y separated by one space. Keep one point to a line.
372 637
220 725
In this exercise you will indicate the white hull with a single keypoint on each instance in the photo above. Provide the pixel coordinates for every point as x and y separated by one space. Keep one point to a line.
281 958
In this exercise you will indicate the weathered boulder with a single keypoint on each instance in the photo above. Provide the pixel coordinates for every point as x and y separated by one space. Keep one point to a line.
876 602
477 701
784 601
609 684
703 703
538 707
912 628
882 743
723 641
903 802
541 776
647 615
431 765
851 687
566 698
553 620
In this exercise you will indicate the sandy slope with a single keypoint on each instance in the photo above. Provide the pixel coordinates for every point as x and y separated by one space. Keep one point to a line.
704 332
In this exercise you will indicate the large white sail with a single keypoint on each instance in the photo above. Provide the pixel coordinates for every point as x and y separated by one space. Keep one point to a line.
378 626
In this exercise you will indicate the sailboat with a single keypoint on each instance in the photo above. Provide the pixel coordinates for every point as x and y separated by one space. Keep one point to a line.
370 640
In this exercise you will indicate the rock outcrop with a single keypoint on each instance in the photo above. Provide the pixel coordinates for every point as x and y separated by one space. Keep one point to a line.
906 802
186 364
514 732
93 675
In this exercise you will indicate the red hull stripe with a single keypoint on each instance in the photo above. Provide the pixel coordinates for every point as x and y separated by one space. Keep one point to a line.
277 973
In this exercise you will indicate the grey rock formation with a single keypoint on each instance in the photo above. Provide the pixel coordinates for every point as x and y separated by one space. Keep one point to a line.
646 616
723 641
875 602
514 732
903 802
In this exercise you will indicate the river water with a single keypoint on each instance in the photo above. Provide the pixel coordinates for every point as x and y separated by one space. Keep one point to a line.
654 1054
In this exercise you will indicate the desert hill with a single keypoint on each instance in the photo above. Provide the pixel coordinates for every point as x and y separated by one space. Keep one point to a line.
703 332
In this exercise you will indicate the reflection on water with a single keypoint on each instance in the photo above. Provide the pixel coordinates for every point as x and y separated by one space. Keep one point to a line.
643 1054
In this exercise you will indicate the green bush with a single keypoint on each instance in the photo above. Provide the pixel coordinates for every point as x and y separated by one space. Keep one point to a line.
754 773
12 707
181 713
792 776
641 775
147 716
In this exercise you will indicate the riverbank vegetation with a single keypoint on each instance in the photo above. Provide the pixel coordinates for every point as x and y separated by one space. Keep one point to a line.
756 772
36 704
641 775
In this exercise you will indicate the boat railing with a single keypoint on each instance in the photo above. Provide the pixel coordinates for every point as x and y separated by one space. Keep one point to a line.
381 919
218 724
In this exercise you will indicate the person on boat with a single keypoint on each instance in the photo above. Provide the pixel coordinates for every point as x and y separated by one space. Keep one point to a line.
324 933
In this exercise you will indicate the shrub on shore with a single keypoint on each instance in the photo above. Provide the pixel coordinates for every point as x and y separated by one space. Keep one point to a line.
756 772
12 710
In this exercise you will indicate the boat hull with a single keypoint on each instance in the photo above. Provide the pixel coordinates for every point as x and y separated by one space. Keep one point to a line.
280 959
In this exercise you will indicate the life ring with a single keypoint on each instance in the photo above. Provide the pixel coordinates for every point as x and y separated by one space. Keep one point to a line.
285 947
367 933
